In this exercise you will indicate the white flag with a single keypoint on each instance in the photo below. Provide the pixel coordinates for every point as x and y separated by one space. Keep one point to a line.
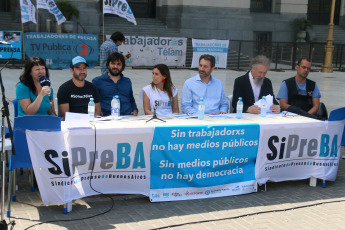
27 11
123 9
52 8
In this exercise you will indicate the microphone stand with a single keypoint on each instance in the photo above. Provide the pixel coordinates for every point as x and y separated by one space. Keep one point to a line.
154 116
5 113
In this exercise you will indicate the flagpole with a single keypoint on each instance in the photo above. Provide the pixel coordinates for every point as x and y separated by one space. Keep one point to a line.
36 17
23 41
103 22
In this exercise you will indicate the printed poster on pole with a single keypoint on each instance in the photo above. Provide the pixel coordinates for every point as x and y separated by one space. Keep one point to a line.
217 48
15 39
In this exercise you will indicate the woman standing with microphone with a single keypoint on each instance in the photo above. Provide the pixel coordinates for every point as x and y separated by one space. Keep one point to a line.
34 98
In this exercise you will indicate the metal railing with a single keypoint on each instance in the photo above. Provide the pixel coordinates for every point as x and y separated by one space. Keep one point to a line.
283 55
84 30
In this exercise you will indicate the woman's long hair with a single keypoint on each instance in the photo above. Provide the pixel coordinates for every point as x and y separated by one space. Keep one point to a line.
168 85
26 77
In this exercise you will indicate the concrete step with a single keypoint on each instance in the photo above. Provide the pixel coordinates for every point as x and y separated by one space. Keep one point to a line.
7 23
321 33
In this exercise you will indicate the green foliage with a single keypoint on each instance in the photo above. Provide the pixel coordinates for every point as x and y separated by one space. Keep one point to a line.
302 24
67 9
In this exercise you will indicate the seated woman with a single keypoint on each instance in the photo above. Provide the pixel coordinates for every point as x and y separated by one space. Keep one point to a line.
161 93
32 97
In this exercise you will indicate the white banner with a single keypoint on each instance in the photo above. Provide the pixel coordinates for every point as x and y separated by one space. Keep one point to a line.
120 8
27 11
299 151
174 194
149 51
63 167
216 48
52 8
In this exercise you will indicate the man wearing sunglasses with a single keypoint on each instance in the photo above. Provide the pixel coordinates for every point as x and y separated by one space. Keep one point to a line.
299 94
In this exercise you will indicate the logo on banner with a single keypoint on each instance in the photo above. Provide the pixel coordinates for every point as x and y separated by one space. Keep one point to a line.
155 195
176 194
293 144
105 159
237 188
83 49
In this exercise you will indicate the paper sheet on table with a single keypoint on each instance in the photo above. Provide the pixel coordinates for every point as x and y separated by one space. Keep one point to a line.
185 116
77 121
226 115
269 100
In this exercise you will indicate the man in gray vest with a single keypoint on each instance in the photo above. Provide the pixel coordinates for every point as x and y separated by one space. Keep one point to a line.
299 94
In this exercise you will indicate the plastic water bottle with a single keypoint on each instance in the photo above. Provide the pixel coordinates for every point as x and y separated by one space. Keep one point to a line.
91 109
263 106
201 109
239 108
115 107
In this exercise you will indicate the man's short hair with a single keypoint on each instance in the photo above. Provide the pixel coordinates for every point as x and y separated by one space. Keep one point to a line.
301 59
208 58
116 57
260 60
117 36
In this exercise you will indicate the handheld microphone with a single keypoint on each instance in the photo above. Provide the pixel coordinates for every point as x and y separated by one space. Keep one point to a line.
44 81
5 43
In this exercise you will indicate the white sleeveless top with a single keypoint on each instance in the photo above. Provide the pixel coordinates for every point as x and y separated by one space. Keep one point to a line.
160 99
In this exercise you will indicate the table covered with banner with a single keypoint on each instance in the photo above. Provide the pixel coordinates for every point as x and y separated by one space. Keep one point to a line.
184 158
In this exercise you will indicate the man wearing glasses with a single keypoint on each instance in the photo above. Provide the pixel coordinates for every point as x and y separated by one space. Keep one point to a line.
299 94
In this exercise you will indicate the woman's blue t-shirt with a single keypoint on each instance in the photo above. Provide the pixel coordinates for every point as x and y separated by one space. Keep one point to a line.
24 92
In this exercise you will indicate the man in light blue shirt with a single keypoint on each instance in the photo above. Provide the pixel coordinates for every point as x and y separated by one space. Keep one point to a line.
205 86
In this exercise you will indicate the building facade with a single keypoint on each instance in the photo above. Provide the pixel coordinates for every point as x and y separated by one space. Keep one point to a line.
258 20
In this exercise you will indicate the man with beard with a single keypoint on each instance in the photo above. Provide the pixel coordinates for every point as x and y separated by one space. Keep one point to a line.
205 86
74 95
112 83
299 94
253 85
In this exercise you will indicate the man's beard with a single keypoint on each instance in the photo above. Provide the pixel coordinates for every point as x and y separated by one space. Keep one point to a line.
114 73
79 78
258 81
203 74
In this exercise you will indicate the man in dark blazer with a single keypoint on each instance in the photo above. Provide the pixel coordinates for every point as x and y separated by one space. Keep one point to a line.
253 85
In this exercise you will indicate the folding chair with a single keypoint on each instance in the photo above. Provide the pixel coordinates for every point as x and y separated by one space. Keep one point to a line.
338 115
335 115
22 157
231 109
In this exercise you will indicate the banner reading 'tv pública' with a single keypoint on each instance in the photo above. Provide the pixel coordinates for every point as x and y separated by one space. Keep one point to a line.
58 49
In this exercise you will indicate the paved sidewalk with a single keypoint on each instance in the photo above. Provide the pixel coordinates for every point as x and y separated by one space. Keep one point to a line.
285 205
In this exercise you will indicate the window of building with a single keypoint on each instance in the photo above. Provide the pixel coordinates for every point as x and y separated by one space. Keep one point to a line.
261 6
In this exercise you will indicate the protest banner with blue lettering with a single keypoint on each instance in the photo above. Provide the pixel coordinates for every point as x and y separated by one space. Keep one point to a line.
193 162
76 164
299 151
15 39
150 51
120 8
27 11
58 49
216 48
52 8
